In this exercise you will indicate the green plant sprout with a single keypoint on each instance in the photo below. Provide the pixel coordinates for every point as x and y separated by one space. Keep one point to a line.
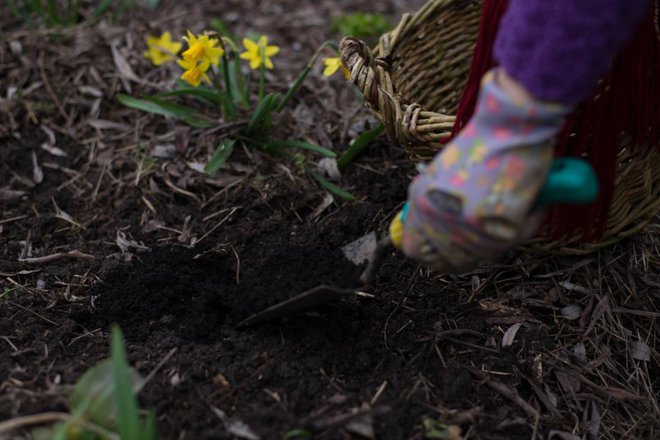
142 156
6 293
297 434
214 78
51 12
118 11
63 13
358 146
366 26
102 405
434 429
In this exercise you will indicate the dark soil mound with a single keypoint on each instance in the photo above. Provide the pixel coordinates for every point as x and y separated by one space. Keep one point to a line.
196 293
288 272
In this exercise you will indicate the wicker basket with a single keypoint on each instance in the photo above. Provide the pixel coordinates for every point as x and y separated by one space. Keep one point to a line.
412 80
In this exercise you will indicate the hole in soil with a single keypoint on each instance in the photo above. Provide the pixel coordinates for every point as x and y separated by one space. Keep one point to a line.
170 289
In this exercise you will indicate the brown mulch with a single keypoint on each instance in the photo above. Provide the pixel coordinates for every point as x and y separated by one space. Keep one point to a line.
106 217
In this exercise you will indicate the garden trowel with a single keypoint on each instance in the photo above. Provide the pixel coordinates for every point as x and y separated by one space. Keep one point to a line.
571 181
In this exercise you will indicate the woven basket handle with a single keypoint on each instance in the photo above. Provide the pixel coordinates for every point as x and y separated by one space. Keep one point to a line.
407 123
365 70
370 75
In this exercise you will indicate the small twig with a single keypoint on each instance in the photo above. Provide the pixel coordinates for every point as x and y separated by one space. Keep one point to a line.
645 313
221 192
379 392
176 189
40 419
507 392
540 394
9 342
439 353
56 256
50 91
227 126
395 310
238 265
345 418
216 226
536 426
33 312
160 364
459 332
608 392
11 219
468 344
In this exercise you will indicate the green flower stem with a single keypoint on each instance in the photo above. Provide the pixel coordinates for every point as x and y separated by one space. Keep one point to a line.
216 83
225 73
294 88
242 86
228 104
296 85
225 68
230 93
262 81
238 73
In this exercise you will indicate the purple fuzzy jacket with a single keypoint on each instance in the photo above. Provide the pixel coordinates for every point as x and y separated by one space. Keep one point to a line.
560 49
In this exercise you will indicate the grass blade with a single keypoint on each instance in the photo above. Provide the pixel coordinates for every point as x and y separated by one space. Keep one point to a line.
262 110
165 108
221 28
331 187
297 434
274 145
236 82
128 420
18 14
149 429
220 156
61 432
294 88
52 15
207 94
359 144
228 95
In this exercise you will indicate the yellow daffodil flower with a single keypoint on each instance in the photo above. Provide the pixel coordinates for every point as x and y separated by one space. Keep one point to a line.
161 49
202 48
259 53
334 64
194 72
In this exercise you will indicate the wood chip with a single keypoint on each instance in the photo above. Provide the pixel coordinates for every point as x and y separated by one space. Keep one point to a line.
123 68
574 287
571 312
125 244
562 435
220 381
90 91
37 172
7 194
510 335
234 426
328 166
640 350
55 151
580 351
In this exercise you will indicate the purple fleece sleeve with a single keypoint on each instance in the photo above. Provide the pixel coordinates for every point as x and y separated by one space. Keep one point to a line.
560 49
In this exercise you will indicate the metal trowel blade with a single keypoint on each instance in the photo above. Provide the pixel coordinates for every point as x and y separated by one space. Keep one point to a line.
307 300
359 252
